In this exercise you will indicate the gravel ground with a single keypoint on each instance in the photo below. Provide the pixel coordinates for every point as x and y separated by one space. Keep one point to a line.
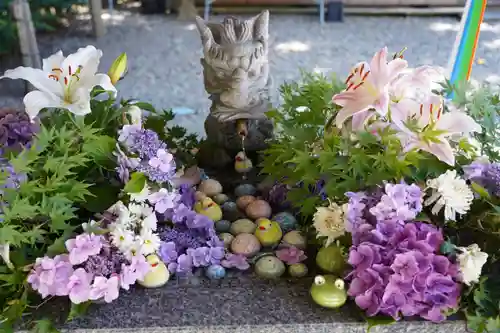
164 54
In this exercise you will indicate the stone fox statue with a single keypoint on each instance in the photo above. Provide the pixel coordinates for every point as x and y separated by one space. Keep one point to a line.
236 75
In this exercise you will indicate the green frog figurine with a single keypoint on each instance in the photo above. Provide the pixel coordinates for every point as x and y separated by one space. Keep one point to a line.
328 291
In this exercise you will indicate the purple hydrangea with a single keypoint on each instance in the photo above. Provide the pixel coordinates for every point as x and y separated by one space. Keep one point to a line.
83 246
187 195
106 263
396 266
237 261
485 174
16 130
10 179
155 160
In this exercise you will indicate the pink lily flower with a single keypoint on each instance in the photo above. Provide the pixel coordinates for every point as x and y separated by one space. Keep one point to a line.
419 122
368 88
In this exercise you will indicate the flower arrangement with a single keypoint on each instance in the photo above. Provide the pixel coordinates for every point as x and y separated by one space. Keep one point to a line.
409 185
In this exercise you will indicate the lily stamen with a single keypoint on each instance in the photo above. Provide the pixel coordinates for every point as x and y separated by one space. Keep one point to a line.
54 77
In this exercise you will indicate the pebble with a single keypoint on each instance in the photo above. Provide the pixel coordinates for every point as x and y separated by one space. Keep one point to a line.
286 221
245 189
269 267
231 212
210 187
221 198
244 201
227 238
297 270
245 244
215 272
199 196
295 238
222 226
242 226
258 209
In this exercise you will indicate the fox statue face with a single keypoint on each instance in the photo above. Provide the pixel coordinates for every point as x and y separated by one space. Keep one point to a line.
235 66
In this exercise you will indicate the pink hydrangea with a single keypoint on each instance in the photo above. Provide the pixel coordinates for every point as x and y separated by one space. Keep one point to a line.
51 276
291 255
79 286
82 247
107 289
137 270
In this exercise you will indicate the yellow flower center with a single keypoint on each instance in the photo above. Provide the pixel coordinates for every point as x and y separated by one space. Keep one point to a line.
358 78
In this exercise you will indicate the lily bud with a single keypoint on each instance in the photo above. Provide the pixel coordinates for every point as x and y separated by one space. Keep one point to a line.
118 68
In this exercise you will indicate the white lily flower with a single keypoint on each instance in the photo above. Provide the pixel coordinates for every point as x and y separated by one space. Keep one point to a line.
5 255
63 82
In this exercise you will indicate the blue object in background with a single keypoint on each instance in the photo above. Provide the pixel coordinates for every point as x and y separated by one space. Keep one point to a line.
215 272
335 11
182 111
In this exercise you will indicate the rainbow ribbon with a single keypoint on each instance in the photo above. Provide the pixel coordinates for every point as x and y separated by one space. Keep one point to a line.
464 50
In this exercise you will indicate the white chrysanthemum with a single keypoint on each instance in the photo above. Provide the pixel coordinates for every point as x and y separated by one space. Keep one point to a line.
452 193
330 221
471 261
91 226
150 222
124 218
150 242
141 196
121 237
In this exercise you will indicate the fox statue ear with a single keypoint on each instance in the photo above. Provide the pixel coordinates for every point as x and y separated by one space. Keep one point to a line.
261 25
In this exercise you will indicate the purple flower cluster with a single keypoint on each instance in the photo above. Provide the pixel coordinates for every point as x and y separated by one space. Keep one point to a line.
16 130
92 270
397 270
192 241
485 174
153 158
10 179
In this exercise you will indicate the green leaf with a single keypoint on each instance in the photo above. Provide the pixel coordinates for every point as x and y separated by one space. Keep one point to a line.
136 183
103 197
493 325
77 310
378 321
145 106
475 323
447 248
480 190
44 326
100 149
10 234
58 246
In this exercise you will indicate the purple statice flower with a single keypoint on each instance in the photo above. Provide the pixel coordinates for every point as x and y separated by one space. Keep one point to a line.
79 286
9 178
401 273
16 130
400 202
187 195
82 247
291 255
163 200
108 262
476 169
125 164
277 196
237 261
51 276
201 256
492 179
184 264
163 161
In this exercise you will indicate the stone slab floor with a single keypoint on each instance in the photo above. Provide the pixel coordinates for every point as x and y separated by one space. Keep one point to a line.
164 54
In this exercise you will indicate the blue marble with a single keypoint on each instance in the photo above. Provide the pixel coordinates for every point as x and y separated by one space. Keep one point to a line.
222 226
215 272
286 220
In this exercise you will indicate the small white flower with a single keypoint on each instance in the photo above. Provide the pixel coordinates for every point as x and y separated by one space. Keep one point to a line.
5 255
122 238
330 221
89 227
150 242
140 211
133 250
135 114
124 217
150 222
141 196
471 262
452 193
